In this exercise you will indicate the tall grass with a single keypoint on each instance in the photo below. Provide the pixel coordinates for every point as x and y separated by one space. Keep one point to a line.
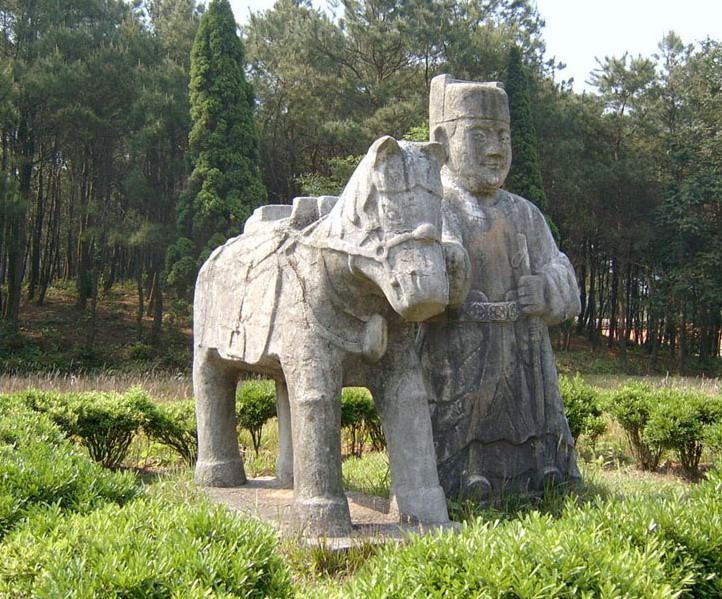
162 386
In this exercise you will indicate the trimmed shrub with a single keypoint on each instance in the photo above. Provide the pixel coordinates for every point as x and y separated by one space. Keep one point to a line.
582 407
150 548
632 406
174 424
535 556
713 437
104 422
255 405
40 467
357 408
667 547
679 421
107 422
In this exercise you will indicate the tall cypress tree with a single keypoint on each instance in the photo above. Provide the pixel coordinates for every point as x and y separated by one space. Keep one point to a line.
226 184
525 174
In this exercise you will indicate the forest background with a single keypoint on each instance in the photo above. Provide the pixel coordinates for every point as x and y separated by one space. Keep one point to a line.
96 164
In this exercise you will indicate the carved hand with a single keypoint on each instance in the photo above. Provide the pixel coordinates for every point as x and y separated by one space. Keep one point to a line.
458 270
531 295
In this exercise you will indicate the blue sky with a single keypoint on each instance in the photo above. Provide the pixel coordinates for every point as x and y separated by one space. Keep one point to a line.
578 31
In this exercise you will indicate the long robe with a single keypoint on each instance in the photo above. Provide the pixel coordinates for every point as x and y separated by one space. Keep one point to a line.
495 402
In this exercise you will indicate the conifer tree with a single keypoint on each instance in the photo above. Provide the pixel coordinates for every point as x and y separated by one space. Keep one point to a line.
525 174
226 184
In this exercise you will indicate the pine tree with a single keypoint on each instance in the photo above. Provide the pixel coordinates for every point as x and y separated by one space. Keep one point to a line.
226 184
525 175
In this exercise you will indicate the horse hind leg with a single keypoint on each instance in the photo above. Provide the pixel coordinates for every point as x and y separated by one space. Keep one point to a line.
284 464
214 386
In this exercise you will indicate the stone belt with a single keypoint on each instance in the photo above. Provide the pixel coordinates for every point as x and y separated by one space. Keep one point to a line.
490 312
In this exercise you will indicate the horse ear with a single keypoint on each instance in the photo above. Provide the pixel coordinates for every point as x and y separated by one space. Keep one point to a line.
383 148
437 150
439 136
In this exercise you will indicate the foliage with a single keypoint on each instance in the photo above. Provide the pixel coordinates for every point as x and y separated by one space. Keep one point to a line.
104 422
582 407
147 548
634 547
525 177
369 473
360 418
679 422
39 467
713 437
174 424
255 405
632 406
225 185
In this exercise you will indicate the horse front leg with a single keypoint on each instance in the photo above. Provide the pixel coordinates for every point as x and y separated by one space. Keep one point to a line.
401 400
214 386
320 505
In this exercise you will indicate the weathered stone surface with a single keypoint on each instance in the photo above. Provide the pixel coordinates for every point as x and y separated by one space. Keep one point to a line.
320 296
497 414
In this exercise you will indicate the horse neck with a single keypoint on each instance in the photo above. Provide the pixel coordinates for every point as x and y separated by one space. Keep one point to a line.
340 286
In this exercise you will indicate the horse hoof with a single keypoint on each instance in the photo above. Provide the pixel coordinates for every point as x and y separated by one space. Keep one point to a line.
322 517
229 473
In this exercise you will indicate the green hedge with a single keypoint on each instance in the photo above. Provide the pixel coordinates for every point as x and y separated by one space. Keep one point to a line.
149 548
613 549
104 422
679 422
361 420
255 405
174 424
582 407
40 467
632 406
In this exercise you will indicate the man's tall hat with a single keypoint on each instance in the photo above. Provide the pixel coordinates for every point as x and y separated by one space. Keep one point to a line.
451 99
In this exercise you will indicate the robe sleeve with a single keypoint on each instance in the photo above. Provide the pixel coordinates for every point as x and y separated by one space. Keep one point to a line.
561 293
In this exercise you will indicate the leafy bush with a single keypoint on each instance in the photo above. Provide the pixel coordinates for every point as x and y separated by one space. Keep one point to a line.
582 407
670 546
141 351
632 406
255 405
40 467
679 421
107 422
174 424
535 556
104 422
713 437
357 409
150 548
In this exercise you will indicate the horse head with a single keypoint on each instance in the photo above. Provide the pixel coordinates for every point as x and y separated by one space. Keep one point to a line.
388 220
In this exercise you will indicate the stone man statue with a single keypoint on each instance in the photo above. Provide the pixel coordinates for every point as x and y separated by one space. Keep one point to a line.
498 417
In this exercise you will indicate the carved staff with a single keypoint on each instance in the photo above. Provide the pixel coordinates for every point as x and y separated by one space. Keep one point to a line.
534 328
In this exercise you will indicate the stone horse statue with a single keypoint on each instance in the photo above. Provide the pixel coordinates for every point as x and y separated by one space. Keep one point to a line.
319 296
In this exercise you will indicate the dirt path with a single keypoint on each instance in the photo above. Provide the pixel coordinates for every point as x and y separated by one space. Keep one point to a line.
265 499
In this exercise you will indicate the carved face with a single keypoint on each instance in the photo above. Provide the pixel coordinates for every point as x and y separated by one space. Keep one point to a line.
389 221
479 153
415 283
